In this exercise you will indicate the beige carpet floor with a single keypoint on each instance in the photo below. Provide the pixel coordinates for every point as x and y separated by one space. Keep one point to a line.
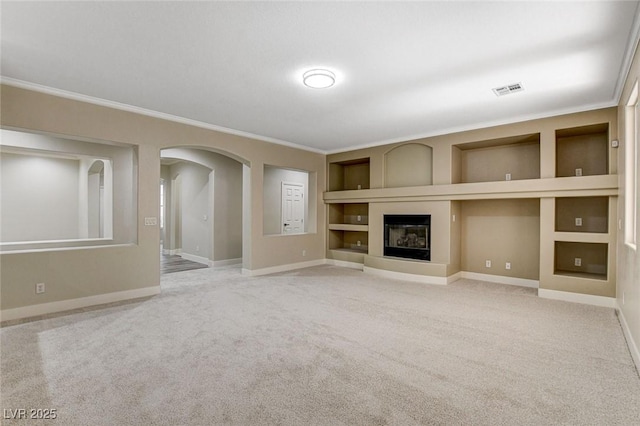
326 346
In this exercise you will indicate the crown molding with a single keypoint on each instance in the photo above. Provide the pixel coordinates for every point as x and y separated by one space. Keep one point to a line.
632 44
147 112
479 126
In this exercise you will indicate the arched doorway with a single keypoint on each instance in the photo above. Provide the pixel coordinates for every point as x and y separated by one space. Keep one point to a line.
202 202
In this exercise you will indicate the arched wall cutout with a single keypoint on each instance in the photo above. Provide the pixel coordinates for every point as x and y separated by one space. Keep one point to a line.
408 165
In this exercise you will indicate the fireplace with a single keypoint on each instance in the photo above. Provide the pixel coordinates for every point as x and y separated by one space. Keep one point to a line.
407 236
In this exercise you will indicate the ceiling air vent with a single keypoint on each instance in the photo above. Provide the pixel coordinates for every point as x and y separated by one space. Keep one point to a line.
508 89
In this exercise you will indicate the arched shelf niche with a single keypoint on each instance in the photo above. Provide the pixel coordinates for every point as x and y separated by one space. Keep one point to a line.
408 165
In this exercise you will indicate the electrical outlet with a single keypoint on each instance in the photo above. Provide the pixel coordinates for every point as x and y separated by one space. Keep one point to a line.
304 253
507 176
487 263
577 261
359 218
197 248
579 171
359 243
359 186
40 288
578 221
507 265
453 218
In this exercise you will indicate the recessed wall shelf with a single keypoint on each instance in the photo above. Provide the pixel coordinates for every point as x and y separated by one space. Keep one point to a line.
582 151
584 260
511 158
582 214
550 181
347 175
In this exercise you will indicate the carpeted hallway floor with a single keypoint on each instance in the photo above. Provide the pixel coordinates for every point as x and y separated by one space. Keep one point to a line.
324 345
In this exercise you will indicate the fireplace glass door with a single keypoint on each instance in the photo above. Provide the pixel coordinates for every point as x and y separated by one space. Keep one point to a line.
407 236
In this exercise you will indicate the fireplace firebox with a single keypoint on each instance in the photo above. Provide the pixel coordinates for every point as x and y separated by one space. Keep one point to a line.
407 236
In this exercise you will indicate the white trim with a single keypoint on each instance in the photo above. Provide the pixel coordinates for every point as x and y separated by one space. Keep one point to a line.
633 347
194 258
60 248
425 279
454 277
81 302
225 262
147 112
171 252
345 264
476 126
520 282
282 268
632 44
587 299
173 118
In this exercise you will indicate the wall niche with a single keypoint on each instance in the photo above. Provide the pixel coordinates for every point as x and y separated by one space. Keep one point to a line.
408 165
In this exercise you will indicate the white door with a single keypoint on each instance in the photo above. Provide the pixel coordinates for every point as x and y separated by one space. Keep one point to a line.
292 208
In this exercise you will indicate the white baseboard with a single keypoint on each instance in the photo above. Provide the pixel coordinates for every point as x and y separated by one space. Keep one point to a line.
194 258
345 264
81 302
225 262
587 299
521 282
171 252
282 268
425 279
631 343
454 277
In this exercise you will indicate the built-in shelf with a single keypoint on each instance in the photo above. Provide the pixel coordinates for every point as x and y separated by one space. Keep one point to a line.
604 185
511 158
582 260
348 227
348 175
351 250
582 214
565 165
352 240
582 151
350 213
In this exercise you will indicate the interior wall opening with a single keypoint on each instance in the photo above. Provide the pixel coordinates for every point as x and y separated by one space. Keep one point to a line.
201 206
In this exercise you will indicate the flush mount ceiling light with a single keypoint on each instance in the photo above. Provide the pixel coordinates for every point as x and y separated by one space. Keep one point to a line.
319 78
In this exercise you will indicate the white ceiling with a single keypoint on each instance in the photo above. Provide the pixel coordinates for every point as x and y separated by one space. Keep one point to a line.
405 70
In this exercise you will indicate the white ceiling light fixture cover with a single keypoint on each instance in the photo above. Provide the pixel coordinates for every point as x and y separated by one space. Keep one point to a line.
319 78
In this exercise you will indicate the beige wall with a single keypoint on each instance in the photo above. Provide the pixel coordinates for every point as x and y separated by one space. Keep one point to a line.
528 151
446 159
40 197
440 212
501 231
408 165
222 204
77 273
628 267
